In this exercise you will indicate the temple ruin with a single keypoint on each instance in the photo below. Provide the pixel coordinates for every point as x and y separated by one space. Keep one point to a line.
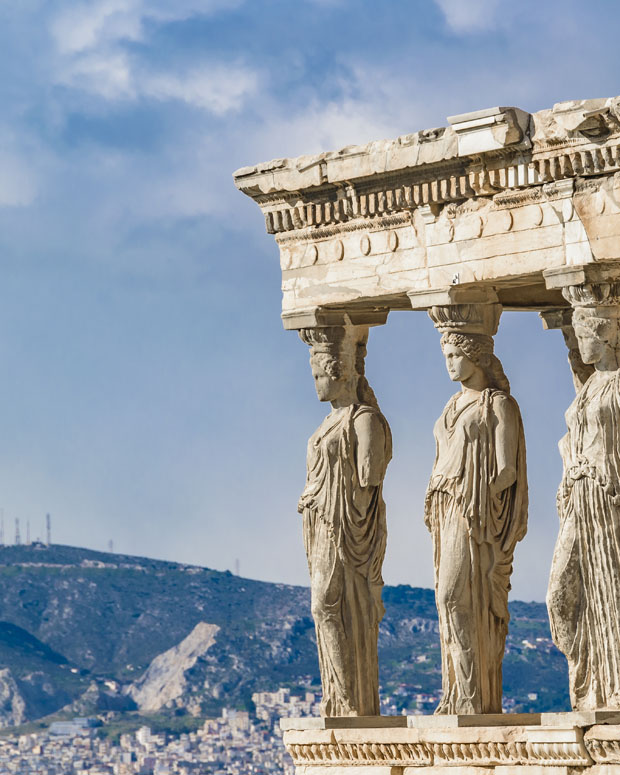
501 209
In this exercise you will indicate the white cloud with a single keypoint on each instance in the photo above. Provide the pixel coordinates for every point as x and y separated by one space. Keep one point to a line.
91 24
470 15
91 56
106 75
372 108
318 127
217 89
87 26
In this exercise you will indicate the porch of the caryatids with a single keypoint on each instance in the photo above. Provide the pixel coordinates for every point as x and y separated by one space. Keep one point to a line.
476 503
344 522
584 587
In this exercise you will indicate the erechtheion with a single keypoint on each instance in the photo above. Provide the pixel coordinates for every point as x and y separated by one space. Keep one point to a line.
501 209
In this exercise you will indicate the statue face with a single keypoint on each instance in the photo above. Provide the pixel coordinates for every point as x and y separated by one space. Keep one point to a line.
460 367
328 388
591 347
596 341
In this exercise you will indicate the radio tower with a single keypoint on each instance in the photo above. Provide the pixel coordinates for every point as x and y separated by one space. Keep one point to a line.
1 527
18 538
48 528
28 533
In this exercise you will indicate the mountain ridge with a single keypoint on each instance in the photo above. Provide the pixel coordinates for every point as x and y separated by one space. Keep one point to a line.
110 615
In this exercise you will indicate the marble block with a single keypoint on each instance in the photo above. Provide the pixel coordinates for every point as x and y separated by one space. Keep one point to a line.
494 199
497 745
453 721
344 722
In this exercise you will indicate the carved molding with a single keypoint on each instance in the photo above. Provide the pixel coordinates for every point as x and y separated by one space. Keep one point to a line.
493 753
372 225
604 751
513 183
394 754
572 754
603 743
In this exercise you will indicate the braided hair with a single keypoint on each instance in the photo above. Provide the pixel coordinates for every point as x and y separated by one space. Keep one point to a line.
479 349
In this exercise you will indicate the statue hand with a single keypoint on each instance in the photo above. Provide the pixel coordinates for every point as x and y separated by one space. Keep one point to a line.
306 501
502 481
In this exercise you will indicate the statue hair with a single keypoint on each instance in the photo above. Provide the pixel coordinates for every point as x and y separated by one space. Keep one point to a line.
329 363
365 393
340 358
597 326
479 349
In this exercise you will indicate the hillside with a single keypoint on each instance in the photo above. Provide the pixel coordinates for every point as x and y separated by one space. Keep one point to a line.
72 618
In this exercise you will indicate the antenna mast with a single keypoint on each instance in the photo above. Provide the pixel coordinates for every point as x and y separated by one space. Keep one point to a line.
48 528
18 538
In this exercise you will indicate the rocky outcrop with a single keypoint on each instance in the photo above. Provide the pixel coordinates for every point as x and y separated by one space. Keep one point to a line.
71 616
165 678
12 705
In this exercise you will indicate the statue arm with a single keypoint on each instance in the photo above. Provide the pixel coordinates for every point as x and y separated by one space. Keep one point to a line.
370 435
506 443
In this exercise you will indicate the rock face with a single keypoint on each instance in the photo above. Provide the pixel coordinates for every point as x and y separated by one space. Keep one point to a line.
71 616
12 705
165 679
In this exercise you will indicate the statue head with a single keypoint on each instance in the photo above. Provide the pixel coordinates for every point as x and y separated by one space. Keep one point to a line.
333 375
597 335
337 355
468 354
596 318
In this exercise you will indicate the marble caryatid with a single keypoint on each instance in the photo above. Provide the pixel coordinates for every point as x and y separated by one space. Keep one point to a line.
344 525
475 509
584 588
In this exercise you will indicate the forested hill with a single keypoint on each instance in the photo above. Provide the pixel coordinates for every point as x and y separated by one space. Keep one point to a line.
81 627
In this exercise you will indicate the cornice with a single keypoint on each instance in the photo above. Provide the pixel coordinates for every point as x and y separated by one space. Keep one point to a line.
389 177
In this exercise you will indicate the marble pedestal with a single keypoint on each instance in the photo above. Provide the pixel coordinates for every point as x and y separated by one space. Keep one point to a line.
510 744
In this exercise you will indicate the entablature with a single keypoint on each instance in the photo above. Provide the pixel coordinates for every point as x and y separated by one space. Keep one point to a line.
497 197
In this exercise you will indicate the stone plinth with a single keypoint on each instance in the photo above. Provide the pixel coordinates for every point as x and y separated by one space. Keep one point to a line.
532 744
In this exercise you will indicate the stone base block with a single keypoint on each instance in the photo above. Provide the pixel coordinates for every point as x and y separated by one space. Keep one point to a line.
346 770
567 744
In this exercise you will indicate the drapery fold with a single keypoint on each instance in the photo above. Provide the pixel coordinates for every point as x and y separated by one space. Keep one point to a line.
345 533
584 588
474 536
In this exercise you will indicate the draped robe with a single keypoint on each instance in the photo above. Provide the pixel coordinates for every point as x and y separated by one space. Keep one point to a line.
344 531
474 535
584 588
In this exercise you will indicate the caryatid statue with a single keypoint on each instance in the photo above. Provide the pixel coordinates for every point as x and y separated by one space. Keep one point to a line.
344 526
475 509
584 588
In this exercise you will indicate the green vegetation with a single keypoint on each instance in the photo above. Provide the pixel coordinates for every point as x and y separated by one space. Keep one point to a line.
72 618
157 722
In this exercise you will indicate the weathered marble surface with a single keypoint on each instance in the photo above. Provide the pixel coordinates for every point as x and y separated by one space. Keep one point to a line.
572 747
344 525
495 198
501 203
475 509
584 588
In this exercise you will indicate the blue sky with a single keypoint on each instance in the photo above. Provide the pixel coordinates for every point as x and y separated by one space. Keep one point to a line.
150 395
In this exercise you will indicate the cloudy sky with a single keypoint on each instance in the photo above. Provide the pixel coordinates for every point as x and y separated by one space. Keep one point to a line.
149 393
